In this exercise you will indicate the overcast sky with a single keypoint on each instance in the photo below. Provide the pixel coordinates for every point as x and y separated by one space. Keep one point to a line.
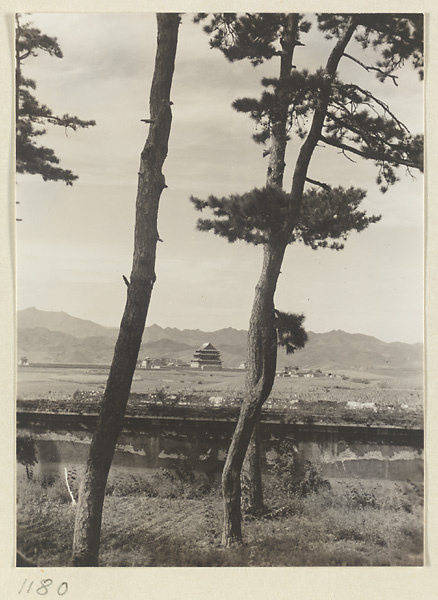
74 243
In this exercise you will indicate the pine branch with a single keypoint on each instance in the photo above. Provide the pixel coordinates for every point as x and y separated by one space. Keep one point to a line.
319 184
370 154
398 37
321 106
327 216
373 139
382 104
254 217
371 68
348 157
70 122
31 158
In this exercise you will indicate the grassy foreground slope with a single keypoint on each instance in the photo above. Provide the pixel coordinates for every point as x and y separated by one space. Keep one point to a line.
175 520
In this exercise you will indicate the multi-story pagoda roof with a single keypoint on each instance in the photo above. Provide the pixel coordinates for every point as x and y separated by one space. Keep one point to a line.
207 357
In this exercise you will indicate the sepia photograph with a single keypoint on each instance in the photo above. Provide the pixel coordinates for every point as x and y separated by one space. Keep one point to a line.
219 230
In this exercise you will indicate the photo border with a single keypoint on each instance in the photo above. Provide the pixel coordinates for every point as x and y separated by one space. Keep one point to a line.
296 583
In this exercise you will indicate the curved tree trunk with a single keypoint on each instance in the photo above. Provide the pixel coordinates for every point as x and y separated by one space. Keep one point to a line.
252 485
150 185
252 471
262 360
262 336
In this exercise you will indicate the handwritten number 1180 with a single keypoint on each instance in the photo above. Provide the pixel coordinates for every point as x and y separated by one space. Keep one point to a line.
42 587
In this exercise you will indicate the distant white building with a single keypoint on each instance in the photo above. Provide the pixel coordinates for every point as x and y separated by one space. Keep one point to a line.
305 374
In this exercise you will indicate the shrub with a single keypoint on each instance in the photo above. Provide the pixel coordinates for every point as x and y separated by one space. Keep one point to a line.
129 485
179 482
295 478
182 482
160 394
356 496
407 498
48 481
26 453
312 480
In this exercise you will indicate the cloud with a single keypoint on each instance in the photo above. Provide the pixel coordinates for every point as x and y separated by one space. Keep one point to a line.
83 234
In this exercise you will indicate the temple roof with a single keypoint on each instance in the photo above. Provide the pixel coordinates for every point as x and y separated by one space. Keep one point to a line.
207 346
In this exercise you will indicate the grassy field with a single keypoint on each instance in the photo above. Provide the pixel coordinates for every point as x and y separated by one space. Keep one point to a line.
353 399
37 382
176 521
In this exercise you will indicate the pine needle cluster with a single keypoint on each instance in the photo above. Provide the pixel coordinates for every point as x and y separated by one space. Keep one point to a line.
252 36
357 122
32 116
254 216
258 216
290 331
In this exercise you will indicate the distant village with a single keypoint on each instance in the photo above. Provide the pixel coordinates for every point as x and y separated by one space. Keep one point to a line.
297 372
208 358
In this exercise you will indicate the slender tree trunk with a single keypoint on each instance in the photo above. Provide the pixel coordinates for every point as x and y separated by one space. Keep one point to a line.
262 337
252 470
252 486
262 359
150 185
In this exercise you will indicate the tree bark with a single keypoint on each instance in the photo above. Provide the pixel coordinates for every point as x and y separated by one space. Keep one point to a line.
262 360
252 470
150 185
262 336
252 484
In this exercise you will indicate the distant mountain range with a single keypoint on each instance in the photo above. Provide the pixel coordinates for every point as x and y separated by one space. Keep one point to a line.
56 337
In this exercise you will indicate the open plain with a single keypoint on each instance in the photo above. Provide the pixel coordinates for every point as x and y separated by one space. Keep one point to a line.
339 520
61 381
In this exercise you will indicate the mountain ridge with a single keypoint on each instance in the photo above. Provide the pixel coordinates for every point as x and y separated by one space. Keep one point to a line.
57 337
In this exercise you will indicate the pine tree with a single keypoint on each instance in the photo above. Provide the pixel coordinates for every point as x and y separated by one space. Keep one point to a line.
316 108
31 116
151 183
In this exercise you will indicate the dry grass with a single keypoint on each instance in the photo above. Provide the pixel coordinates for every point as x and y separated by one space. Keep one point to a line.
174 522
42 382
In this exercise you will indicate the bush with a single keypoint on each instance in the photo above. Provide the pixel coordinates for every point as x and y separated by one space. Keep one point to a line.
312 480
26 453
129 485
358 497
182 482
407 498
295 478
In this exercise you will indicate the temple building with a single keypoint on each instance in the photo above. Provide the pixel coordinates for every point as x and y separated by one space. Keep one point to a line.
207 358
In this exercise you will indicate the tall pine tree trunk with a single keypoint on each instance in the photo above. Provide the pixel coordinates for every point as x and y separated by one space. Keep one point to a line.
262 360
150 185
252 470
252 485
262 336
